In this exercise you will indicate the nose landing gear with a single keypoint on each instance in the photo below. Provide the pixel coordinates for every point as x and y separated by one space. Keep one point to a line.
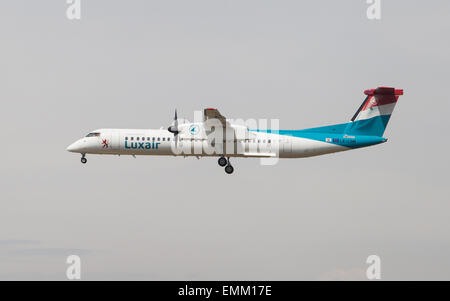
223 162
83 158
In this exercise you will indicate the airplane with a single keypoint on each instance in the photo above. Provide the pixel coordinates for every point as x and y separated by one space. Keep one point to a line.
366 128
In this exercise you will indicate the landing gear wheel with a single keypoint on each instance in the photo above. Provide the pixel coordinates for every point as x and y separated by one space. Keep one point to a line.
222 161
229 169
83 160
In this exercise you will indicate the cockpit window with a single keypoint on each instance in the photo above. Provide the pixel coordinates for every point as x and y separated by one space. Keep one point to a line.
93 135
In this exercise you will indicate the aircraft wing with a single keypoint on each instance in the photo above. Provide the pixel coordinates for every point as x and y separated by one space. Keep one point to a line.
211 113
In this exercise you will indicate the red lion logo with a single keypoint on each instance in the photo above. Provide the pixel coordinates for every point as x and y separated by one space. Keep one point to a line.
105 143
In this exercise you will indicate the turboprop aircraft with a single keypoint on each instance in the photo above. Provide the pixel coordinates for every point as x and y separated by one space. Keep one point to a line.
217 136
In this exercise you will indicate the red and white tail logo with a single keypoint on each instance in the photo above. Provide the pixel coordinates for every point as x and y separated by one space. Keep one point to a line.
380 101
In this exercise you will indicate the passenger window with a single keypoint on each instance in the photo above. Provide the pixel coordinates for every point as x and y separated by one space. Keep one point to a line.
148 138
143 138
137 138
132 138
159 139
168 139
164 139
153 138
126 138
268 140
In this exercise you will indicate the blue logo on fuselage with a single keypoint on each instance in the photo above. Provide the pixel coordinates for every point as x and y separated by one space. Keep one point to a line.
142 145
194 129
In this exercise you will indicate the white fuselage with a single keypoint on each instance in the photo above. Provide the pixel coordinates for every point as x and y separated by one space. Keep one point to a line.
220 137
160 142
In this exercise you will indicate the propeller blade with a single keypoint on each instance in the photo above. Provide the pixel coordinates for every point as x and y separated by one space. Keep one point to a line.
176 119
174 127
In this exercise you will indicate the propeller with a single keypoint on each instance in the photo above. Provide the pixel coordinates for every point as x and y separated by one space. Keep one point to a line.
174 128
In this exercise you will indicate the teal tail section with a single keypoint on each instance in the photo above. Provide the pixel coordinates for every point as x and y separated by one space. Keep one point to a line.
374 126
366 127
371 118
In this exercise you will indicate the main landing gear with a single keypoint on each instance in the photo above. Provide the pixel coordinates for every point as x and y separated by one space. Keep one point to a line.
83 158
224 162
229 169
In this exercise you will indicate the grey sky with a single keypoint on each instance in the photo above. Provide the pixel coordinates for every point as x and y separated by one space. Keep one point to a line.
130 63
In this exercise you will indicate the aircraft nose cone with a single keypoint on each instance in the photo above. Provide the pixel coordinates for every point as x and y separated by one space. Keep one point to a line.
74 147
